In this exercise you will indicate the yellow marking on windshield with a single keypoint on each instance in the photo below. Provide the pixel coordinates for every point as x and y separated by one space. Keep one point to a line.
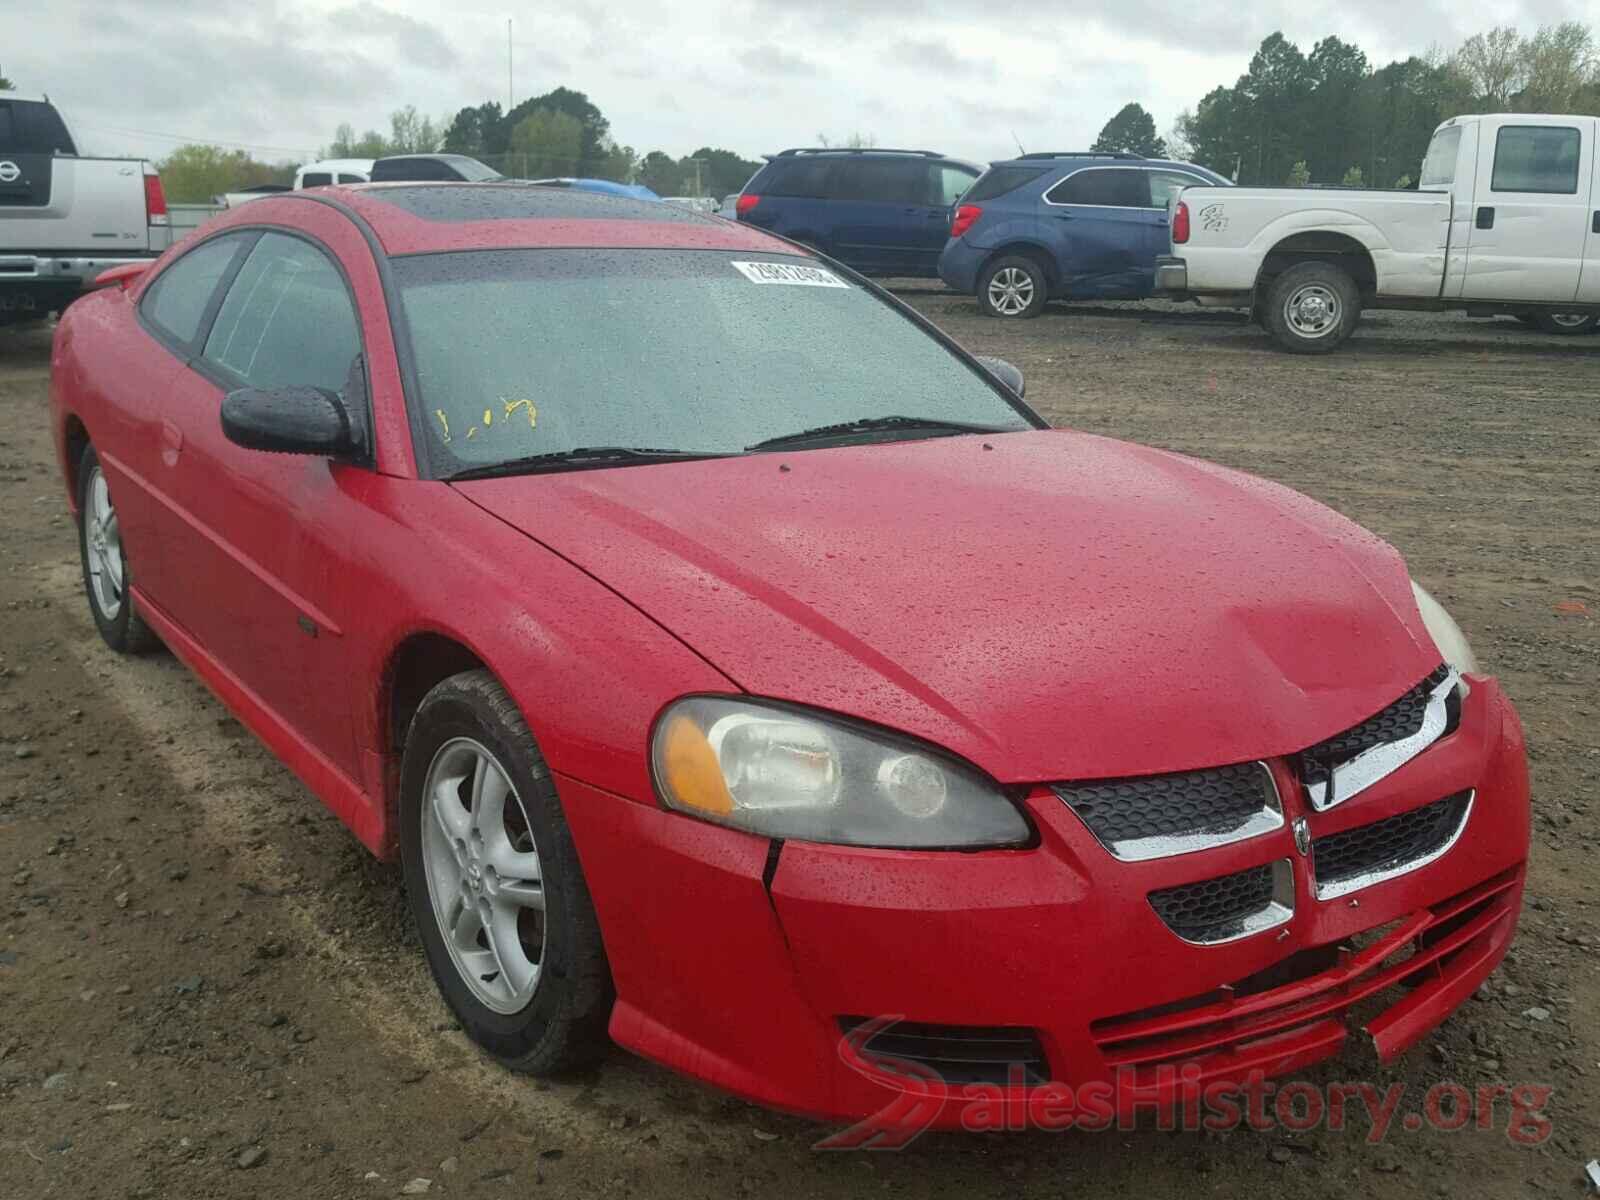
443 420
488 417
511 406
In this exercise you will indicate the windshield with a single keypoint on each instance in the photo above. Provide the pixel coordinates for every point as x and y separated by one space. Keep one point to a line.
529 352
1439 168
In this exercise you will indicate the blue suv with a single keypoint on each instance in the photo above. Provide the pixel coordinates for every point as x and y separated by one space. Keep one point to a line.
882 212
1067 225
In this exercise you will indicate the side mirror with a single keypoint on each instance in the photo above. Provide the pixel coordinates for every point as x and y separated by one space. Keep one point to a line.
291 420
1008 375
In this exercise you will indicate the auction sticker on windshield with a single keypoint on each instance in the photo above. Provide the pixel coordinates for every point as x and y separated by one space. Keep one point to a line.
771 272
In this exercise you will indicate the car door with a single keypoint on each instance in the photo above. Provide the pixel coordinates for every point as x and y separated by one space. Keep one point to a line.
882 214
1531 210
1589 272
263 587
1101 219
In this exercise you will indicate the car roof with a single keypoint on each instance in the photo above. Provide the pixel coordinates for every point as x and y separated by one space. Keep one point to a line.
1084 158
847 151
339 164
426 218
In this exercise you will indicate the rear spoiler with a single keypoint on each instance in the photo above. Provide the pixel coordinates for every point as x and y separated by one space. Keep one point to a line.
121 276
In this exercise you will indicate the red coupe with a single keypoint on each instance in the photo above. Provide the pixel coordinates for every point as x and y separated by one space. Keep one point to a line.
741 670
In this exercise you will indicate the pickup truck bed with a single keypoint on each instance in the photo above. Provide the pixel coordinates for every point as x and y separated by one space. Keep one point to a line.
65 218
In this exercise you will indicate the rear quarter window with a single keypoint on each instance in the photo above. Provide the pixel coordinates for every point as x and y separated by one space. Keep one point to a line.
997 181
315 179
175 303
796 178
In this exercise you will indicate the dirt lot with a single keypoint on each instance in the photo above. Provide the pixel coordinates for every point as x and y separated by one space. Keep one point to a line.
206 988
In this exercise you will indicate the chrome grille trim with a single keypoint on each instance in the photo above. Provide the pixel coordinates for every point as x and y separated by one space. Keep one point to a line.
1169 845
1277 911
1355 883
1369 767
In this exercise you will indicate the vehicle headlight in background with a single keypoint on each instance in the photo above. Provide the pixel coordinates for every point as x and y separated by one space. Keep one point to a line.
1446 634
783 773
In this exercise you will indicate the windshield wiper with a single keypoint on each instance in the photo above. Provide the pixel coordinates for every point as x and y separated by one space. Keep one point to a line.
932 426
581 458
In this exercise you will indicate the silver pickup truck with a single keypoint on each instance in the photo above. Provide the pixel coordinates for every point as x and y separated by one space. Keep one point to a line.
65 218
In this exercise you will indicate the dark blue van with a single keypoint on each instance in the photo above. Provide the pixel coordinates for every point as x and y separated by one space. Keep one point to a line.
1064 225
882 212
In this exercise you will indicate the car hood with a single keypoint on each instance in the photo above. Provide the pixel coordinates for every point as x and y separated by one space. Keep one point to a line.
1050 605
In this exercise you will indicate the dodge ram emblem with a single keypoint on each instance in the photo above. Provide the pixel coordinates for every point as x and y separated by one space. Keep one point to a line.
9 172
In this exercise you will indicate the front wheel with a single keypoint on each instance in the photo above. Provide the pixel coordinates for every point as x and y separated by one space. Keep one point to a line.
1567 324
1312 308
493 882
1012 287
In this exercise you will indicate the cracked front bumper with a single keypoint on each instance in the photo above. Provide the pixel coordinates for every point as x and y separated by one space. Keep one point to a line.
736 962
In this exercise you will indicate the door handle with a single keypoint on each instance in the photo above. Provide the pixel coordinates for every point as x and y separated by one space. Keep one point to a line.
171 443
1594 225
1485 217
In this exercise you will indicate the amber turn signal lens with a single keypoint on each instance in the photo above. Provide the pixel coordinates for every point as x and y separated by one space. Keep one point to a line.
690 769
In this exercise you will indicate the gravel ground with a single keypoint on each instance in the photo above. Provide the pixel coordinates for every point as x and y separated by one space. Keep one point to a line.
207 989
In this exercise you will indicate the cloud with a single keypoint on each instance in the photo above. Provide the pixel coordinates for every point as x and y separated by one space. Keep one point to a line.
419 43
774 60
935 55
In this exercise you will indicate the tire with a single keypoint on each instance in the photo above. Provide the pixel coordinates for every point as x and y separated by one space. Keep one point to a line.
466 745
1566 324
1012 288
106 575
1312 308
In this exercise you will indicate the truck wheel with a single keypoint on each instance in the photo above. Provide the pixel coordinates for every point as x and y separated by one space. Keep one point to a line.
1566 323
1312 308
1012 287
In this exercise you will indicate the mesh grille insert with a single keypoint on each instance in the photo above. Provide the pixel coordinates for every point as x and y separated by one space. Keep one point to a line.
1399 720
961 1053
1388 844
1215 802
1209 910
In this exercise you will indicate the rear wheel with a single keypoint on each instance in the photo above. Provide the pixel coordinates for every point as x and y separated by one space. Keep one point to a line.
494 885
1312 308
1567 324
1013 286
106 577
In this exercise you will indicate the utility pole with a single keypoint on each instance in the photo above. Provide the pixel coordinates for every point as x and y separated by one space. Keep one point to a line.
510 87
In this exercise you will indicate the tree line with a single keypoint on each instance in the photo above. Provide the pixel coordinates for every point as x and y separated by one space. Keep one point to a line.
1330 116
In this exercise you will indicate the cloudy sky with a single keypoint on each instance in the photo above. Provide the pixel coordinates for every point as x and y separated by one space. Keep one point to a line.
277 76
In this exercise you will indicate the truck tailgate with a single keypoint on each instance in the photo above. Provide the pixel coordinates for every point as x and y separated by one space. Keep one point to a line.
61 205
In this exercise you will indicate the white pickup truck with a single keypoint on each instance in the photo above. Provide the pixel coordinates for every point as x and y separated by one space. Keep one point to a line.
65 218
1507 220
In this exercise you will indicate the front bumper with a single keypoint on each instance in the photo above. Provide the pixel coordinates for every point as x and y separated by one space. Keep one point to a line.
1172 275
736 961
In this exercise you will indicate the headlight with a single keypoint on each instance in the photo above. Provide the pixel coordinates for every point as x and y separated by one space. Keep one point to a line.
1446 634
782 773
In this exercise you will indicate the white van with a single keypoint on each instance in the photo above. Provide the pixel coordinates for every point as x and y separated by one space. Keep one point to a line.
333 170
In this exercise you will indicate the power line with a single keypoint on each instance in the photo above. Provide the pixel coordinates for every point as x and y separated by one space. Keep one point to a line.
178 137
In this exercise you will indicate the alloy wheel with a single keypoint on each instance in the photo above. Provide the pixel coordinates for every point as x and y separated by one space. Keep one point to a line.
103 537
484 876
1010 291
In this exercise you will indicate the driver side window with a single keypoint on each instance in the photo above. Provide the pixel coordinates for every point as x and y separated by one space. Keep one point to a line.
287 319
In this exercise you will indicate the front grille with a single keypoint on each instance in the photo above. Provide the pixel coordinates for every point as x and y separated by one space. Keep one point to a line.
1367 854
1400 720
1230 906
962 1053
1159 815
1337 768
